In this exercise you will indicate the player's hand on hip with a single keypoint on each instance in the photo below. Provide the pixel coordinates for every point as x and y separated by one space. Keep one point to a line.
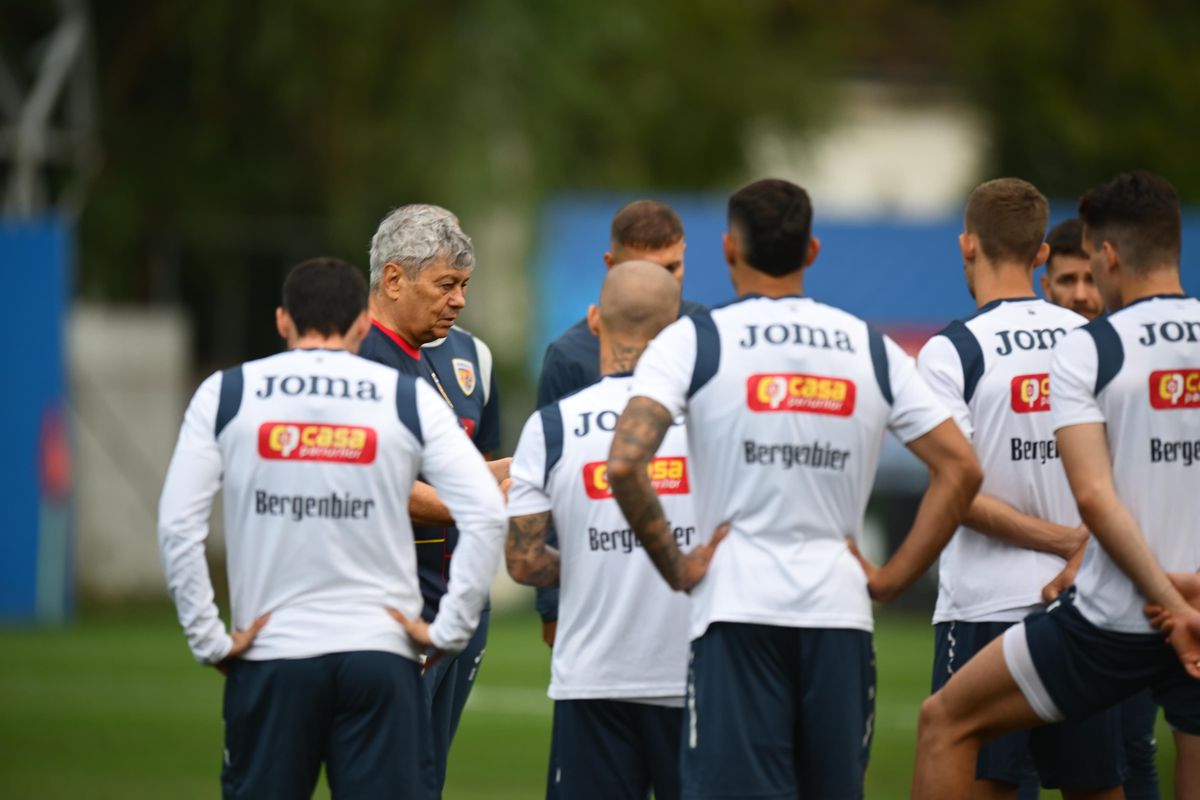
697 560
869 569
1066 578
242 640
418 630
1059 584
500 468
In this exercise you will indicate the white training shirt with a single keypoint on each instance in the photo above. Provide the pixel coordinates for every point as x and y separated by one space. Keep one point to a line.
622 632
1138 371
318 451
992 372
786 401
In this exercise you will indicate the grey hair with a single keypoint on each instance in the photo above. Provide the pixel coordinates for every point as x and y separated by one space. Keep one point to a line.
415 237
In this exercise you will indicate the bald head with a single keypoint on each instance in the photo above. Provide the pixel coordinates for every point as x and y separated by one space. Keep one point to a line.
638 299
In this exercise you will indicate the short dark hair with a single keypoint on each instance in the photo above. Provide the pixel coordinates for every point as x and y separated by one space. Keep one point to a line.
324 295
1139 213
772 219
1065 239
1009 216
646 225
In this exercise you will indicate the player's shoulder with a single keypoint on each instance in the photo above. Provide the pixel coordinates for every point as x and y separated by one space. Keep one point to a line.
458 341
574 339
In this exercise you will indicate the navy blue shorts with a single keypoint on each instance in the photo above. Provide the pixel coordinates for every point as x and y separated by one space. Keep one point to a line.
1070 666
1081 754
615 750
363 714
776 712
448 684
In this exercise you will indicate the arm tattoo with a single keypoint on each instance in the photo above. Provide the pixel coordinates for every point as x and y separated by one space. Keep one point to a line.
638 434
526 555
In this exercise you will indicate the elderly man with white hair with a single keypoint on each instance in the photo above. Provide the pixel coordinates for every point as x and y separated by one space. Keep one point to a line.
421 263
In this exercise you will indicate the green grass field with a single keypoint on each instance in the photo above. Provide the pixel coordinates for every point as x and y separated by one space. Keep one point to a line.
113 707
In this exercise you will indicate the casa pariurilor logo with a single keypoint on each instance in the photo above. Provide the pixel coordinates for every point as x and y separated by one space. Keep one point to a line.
800 393
317 441
1175 388
668 475
1031 393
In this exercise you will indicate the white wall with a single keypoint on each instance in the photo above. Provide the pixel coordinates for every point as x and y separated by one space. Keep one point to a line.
129 370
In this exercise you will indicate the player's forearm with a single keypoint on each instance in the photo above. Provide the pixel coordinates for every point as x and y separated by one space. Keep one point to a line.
940 513
529 560
644 512
992 516
191 590
1117 532
426 508
638 434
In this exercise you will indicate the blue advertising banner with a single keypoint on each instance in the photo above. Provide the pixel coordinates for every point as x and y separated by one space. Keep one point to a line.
35 568
904 276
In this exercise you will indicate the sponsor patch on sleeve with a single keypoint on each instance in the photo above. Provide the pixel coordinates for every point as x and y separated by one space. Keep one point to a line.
796 392
317 441
1031 393
668 475
1175 388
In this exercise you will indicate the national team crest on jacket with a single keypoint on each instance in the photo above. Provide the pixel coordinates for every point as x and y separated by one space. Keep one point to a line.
464 370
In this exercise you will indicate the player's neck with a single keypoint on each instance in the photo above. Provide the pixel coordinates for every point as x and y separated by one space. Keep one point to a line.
1164 280
1006 281
317 341
616 356
747 280
384 313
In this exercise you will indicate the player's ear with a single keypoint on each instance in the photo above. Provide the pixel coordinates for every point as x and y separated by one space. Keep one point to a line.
729 247
393 280
968 245
814 250
609 260
593 319
358 331
1112 256
1042 254
284 324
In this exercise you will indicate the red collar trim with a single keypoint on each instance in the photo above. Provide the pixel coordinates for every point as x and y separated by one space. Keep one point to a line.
395 337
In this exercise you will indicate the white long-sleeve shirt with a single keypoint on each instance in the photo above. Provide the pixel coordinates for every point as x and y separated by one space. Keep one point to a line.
318 451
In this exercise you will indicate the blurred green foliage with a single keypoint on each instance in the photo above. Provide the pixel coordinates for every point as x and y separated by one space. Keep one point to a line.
241 135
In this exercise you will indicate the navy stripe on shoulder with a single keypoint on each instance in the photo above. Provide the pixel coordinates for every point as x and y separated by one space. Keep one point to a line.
1110 353
879 360
970 354
231 397
406 405
708 351
552 432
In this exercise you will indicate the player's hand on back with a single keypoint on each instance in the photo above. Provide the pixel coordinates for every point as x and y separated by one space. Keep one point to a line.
694 564
242 640
418 630
1183 632
1188 584
499 469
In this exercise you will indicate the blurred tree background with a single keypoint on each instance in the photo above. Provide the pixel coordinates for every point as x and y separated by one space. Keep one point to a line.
239 136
